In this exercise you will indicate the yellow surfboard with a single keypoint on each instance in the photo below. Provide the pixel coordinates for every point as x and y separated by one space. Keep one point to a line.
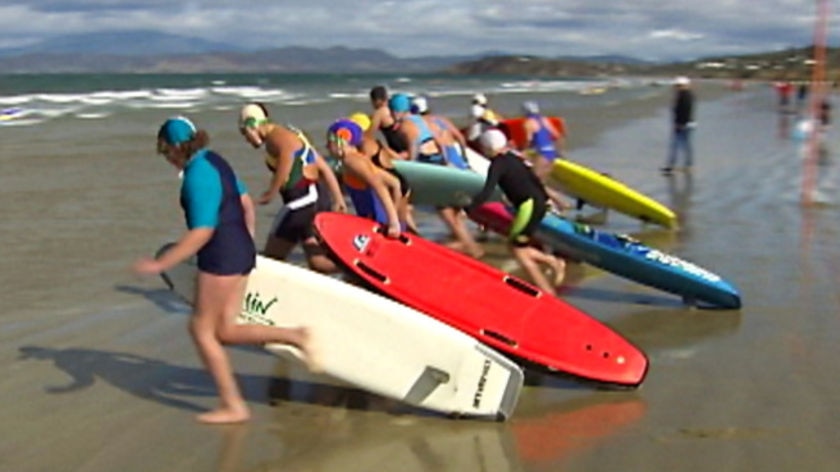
604 191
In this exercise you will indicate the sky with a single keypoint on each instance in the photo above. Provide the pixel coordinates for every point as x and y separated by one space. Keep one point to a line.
646 29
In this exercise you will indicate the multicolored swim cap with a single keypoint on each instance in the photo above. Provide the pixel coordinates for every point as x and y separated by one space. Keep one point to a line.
361 119
346 131
399 103
252 115
176 130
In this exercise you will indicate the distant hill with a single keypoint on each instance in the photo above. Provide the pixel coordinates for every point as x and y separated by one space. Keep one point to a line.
121 43
143 51
544 67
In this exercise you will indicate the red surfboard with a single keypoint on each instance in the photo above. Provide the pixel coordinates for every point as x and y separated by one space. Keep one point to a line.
514 128
493 216
496 308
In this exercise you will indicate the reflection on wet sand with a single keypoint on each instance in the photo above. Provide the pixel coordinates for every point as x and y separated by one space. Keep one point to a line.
680 188
675 329
783 128
343 438
548 438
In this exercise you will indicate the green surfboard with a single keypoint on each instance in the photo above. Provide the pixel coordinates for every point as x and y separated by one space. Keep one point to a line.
438 185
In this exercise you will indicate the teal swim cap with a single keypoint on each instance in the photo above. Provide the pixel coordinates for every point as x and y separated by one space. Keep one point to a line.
399 103
176 130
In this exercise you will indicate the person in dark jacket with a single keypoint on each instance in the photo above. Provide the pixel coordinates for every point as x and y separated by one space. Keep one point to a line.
683 123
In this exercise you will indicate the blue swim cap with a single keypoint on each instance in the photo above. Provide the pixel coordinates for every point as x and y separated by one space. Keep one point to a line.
176 130
347 131
399 103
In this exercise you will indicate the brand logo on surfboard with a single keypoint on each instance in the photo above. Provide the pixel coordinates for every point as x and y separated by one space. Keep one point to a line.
255 308
684 265
360 242
482 381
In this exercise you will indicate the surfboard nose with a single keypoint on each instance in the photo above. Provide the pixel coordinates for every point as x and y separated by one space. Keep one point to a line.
607 358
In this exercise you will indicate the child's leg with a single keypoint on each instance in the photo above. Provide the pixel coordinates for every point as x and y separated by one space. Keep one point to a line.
212 293
525 256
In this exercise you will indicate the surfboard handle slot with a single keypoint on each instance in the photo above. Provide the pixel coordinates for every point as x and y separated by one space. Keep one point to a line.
381 229
499 337
522 286
371 271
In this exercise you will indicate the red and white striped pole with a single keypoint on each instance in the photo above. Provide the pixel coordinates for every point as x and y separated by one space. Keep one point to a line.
818 93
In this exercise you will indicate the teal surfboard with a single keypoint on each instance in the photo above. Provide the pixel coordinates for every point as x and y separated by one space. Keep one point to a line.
438 185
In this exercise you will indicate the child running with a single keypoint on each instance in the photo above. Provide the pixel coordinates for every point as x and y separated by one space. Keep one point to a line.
525 191
220 229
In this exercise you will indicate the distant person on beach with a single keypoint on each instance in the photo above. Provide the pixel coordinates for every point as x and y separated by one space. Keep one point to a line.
524 191
682 124
489 115
220 229
382 121
423 146
373 191
453 141
383 157
484 118
784 89
296 169
541 137
801 95
544 143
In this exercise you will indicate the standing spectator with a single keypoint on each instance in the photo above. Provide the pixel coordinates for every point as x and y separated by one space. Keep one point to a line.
683 123
784 89
801 95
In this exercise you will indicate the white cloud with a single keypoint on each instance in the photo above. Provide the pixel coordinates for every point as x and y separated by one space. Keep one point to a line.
649 28
675 34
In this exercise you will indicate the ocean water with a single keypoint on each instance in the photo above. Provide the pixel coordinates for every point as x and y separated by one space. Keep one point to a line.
33 99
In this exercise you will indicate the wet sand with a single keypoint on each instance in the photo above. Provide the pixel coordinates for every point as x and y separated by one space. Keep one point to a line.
100 375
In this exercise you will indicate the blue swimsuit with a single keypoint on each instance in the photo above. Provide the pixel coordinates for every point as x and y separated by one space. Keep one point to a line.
424 137
541 140
211 198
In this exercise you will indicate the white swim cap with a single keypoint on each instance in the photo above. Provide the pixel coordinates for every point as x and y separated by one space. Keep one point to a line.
477 111
530 107
419 105
479 99
493 140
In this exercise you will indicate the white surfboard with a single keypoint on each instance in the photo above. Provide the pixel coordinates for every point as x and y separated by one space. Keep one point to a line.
373 342
477 162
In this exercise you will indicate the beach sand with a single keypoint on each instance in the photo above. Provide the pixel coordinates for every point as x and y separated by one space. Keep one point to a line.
100 375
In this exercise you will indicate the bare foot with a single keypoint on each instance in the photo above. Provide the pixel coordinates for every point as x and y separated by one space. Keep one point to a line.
477 252
226 415
559 268
455 245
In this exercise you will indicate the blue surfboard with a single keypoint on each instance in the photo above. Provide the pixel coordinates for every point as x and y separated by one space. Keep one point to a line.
626 257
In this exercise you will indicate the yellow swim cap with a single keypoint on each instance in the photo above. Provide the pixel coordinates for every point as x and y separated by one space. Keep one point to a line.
360 119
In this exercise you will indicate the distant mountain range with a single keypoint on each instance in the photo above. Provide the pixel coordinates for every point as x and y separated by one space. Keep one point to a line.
154 52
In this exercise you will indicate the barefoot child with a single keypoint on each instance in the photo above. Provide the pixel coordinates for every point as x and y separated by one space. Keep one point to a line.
220 229
525 191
